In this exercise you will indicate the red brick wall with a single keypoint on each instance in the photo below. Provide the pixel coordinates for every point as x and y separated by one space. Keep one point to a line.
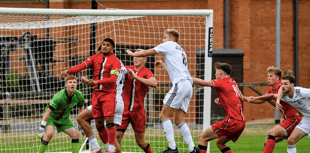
252 29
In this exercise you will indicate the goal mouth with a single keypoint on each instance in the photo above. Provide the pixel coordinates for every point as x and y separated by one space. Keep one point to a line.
38 44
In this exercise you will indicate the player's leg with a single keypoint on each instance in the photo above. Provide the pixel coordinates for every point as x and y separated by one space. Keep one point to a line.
221 144
270 141
84 121
122 128
118 120
49 131
138 125
165 114
74 134
295 136
204 138
111 131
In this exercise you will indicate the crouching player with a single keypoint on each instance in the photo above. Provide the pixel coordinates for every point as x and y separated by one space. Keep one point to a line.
57 115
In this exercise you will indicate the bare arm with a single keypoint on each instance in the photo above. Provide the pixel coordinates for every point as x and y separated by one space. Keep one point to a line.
149 82
47 114
161 65
279 97
202 82
142 53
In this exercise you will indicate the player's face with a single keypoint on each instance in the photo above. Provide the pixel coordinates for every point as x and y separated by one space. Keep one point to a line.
218 74
106 48
167 37
71 85
138 61
272 78
286 85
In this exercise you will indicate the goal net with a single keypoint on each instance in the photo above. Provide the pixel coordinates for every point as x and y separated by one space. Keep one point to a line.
37 44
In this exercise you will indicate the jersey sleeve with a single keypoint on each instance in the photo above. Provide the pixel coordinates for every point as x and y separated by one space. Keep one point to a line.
54 103
116 68
162 48
304 92
217 83
149 74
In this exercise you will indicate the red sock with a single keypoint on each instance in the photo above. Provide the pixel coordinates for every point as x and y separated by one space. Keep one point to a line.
226 150
229 151
270 144
103 134
112 135
203 149
147 149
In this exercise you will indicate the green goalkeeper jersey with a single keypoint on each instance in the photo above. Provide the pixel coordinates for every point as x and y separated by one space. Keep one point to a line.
61 104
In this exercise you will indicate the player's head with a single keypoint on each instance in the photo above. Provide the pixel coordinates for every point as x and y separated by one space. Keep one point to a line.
138 61
288 82
171 35
71 83
222 70
274 75
107 46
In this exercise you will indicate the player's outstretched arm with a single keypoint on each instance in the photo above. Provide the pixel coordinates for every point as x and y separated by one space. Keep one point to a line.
142 53
149 82
260 99
279 97
202 82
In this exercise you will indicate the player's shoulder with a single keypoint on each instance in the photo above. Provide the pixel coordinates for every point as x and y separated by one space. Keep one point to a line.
146 70
59 95
79 94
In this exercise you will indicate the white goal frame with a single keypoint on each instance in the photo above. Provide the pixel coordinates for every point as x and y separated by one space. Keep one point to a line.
88 12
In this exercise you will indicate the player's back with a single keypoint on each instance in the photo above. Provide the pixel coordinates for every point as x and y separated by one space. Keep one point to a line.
175 60
120 83
228 93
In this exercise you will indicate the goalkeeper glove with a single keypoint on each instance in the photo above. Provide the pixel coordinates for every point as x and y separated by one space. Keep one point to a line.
40 132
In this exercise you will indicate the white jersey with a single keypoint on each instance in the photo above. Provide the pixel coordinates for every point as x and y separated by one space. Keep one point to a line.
300 100
175 60
120 83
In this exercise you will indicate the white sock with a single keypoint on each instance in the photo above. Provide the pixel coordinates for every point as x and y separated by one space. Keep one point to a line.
107 146
169 132
187 137
111 148
291 149
93 141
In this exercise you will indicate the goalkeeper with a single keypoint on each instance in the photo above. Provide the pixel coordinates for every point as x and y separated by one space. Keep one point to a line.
57 115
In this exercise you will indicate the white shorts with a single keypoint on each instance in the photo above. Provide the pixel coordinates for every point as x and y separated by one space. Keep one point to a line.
118 112
304 125
179 95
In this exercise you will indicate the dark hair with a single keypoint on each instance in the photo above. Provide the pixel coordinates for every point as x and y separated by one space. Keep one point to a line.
290 78
223 66
110 41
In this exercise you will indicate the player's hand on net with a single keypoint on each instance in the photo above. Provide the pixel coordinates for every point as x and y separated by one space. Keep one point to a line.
40 132
63 74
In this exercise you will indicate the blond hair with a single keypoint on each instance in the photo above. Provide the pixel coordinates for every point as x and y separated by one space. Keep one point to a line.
174 33
275 70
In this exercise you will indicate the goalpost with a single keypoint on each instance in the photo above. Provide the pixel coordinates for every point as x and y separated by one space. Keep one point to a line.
37 44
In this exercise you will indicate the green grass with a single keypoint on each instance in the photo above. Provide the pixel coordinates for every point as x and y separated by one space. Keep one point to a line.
251 141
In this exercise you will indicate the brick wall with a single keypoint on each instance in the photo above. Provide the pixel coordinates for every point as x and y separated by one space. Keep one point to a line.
252 29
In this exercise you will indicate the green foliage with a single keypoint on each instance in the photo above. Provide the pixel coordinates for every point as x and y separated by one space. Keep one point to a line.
12 80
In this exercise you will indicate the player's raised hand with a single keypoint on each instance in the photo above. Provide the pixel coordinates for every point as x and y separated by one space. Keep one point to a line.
132 73
129 52
160 64
63 74
217 101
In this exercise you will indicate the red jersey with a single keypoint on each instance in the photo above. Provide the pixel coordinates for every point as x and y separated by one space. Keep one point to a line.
228 91
134 90
103 68
288 110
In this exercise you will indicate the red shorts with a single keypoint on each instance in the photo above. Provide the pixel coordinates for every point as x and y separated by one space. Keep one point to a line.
137 120
103 104
229 128
290 124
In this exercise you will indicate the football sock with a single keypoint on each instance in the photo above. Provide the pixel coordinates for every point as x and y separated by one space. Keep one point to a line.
147 149
112 134
203 149
93 141
226 150
75 145
43 146
169 132
103 134
186 134
270 144
291 149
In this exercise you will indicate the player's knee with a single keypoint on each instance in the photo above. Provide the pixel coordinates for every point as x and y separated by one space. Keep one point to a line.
291 141
49 135
76 135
